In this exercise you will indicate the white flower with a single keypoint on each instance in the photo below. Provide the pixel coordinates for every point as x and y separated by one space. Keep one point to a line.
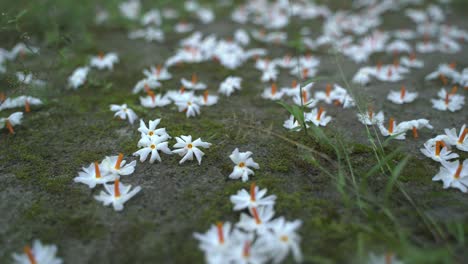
394 130
448 101
460 141
385 259
318 117
216 242
415 125
183 27
438 152
122 111
255 198
130 9
329 96
246 252
20 101
269 74
370 118
207 99
193 84
38 254
11 121
258 222
78 77
92 176
229 85
188 103
104 61
152 145
292 124
152 100
453 174
158 73
390 73
242 37
151 130
146 84
402 96
243 161
272 93
187 148
281 239
115 165
117 194
411 62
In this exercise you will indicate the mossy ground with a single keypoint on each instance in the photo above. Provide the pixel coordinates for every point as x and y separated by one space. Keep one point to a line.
38 198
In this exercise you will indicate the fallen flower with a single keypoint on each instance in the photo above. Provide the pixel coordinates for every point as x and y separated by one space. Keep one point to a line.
117 194
243 161
38 254
187 148
122 111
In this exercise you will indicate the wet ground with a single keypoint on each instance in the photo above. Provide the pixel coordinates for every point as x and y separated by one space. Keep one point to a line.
38 198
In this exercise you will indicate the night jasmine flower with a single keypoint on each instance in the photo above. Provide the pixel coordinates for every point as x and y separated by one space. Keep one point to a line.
152 145
187 148
188 103
122 111
258 221
402 96
117 194
116 166
453 174
104 61
370 118
411 62
438 152
207 99
158 73
11 121
256 198
460 141
281 239
146 85
272 93
152 100
318 117
393 129
183 27
193 84
448 101
243 163
415 125
78 77
92 176
38 254
292 124
229 85
216 242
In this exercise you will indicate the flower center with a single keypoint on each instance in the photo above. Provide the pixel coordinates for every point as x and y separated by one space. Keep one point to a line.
241 165
284 238
152 146
189 146
151 133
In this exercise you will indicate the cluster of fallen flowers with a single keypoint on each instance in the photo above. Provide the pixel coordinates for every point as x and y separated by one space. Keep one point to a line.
15 118
101 62
110 170
155 139
453 174
257 237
